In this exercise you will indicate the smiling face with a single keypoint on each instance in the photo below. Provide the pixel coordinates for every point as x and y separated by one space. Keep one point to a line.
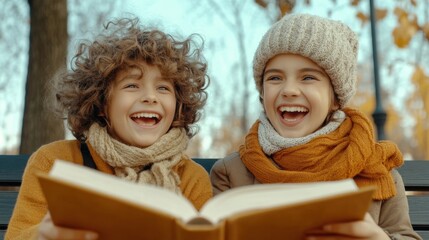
297 95
141 105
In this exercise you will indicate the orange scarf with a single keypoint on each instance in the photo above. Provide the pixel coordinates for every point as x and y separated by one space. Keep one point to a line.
348 152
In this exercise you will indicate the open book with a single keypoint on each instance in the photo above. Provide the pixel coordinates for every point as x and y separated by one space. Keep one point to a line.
80 197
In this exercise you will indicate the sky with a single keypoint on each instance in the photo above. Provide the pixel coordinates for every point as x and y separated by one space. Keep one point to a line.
182 18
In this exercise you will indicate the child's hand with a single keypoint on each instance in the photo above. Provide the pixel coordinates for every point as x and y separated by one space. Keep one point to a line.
365 229
47 230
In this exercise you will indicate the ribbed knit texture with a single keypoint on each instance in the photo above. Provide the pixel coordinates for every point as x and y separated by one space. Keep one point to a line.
330 44
348 152
128 162
271 141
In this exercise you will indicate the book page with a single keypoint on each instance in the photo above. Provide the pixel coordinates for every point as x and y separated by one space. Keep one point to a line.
146 195
264 196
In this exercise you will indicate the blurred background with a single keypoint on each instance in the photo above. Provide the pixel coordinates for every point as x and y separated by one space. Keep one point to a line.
39 37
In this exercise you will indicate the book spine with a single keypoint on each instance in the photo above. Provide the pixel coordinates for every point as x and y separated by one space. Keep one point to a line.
199 231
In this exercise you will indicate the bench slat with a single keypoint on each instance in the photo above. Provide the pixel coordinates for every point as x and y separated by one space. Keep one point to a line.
415 175
207 163
419 211
7 203
11 169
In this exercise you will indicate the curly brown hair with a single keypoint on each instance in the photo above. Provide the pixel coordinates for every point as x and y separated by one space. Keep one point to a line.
83 92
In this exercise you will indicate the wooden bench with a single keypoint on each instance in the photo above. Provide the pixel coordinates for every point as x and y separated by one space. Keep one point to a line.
416 180
414 173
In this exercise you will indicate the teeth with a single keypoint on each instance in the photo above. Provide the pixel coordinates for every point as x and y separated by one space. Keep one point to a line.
289 120
293 109
145 115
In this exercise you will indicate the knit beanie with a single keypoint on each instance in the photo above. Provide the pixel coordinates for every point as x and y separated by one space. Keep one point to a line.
330 44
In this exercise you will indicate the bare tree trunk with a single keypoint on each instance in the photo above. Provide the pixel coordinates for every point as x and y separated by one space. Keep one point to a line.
48 53
243 66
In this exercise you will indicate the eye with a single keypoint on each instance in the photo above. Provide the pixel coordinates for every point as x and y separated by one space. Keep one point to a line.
131 85
273 78
165 88
309 77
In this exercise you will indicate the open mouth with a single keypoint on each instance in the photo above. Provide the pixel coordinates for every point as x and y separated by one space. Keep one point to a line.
146 119
292 114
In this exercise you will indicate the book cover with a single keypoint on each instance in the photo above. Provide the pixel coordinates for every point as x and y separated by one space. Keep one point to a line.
80 197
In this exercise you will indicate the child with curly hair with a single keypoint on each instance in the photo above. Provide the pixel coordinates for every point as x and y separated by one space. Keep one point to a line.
130 100
305 71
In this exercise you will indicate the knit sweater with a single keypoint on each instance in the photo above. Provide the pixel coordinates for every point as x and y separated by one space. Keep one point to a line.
31 205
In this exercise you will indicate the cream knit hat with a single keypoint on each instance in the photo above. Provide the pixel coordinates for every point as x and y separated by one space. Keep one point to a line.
330 44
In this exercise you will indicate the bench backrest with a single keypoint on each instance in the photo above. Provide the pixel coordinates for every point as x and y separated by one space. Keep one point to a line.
416 180
414 173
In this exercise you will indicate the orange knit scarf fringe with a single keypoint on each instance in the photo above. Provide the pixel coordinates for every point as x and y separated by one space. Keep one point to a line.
348 152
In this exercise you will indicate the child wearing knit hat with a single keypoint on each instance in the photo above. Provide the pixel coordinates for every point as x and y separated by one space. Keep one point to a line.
305 72
131 100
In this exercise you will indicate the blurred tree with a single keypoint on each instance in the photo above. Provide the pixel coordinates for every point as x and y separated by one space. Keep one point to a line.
411 36
47 55
403 59
236 24
13 48
224 139
419 106
234 21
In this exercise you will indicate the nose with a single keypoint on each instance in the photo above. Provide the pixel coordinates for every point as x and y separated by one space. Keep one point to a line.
149 97
290 89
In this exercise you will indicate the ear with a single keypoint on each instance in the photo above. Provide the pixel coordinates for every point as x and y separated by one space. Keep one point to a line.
178 112
103 112
261 98
335 106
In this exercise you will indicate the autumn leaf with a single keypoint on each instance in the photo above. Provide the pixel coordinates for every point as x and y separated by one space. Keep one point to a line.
400 38
261 3
420 79
362 17
425 30
354 2
413 23
285 6
405 31
413 2
400 13
380 14
418 75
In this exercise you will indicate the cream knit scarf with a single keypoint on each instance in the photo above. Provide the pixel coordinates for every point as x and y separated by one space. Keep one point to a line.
129 162
272 142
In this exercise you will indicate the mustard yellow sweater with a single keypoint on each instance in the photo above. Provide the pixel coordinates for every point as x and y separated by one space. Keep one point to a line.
31 206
